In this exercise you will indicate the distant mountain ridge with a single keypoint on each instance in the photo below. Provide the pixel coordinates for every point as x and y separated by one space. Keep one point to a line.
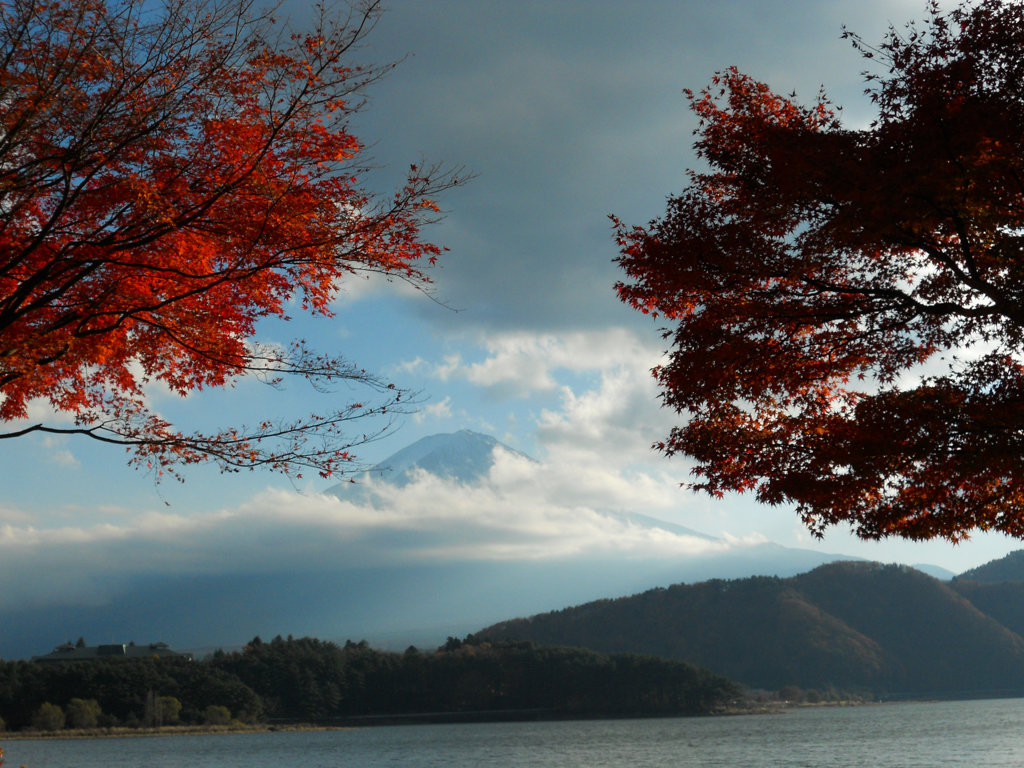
853 625
936 571
1008 568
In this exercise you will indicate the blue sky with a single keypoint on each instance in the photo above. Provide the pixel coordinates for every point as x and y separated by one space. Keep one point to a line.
567 112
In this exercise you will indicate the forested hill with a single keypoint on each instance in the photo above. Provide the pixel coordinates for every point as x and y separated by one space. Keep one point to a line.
1008 568
997 588
859 626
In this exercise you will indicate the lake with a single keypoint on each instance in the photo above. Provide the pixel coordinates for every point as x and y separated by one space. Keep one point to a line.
964 733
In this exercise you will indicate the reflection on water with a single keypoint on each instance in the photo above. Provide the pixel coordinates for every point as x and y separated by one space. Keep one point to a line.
969 733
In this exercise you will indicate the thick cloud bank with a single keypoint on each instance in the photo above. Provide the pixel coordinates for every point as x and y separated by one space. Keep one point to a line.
522 511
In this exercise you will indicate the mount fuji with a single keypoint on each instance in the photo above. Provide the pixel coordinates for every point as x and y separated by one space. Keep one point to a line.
463 456
466 457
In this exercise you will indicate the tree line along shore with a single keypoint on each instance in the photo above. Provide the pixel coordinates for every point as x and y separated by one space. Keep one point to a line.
310 680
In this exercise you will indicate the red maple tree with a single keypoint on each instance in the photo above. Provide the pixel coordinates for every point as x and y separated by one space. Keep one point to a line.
169 177
847 306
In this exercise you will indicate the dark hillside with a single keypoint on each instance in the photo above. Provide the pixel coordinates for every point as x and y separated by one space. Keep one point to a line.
943 642
848 625
1004 601
758 631
1009 568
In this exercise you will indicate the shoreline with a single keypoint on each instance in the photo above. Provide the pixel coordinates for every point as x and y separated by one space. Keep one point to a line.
169 730
364 721
435 718
428 718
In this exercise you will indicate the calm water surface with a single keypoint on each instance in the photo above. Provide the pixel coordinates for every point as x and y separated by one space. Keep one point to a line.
973 733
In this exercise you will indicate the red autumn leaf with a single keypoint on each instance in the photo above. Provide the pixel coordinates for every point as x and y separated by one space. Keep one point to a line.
812 270
168 178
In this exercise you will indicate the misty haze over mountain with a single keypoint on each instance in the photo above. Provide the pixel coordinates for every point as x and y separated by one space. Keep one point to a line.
446 535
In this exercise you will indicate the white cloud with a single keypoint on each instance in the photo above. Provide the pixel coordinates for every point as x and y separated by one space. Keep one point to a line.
523 511
601 435
57 453
441 410
39 411
63 458
451 366
614 423
370 285
13 516
521 364
598 442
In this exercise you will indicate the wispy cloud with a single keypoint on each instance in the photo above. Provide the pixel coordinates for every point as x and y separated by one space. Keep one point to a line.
437 411
57 452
